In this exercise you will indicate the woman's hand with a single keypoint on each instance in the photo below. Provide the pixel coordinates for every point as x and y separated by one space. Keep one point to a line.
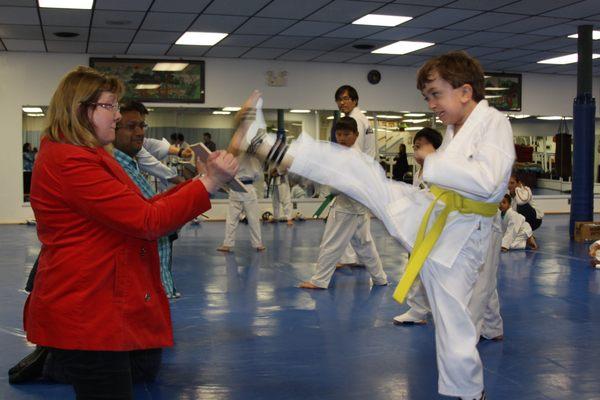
221 167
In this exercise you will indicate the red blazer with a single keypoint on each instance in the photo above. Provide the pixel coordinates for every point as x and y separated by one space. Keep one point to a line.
98 284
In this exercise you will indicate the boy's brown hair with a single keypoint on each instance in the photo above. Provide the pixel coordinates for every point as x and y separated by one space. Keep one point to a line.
456 68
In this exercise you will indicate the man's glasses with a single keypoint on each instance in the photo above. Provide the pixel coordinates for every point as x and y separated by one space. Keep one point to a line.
341 99
114 107
132 125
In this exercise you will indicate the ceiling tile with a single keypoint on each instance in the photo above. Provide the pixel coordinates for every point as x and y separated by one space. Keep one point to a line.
20 3
325 44
176 22
106 48
534 7
480 38
291 8
129 5
56 17
579 9
539 55
184 6
440 18
49 33
19 16
371 58
487 20
437 50
479 5
405 10
426 2
264 53
550 44
335 57
377 43
107 35
24 45
156 37
188 51
343 11
243 40
226 52
21 32
556 30
507 55
355 31
441 35
405 60
285 42
300 55
519 40
482 51
217 23
117 19
528 25
57 46
148 49
398 33
235 7
310 28
265 26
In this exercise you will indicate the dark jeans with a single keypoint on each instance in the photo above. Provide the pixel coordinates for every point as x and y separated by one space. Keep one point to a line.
103 375
530 215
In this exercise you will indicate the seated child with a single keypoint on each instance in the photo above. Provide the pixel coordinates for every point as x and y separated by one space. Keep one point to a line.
517 232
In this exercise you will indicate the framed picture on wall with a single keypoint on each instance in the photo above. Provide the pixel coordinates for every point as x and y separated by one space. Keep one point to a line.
158 81
503 91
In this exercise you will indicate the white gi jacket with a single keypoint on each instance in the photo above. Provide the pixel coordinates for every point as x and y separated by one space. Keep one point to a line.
366 140
514 227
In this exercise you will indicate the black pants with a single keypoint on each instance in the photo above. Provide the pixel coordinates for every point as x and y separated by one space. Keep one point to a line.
530 215
103 375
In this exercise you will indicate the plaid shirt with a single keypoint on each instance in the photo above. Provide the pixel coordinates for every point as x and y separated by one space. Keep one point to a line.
164 248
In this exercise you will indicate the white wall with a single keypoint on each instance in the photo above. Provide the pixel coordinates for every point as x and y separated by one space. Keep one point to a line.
30 78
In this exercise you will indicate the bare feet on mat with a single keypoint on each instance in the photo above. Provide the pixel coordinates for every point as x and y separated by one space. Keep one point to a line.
290 222
309 285
532 243
224 249
260 248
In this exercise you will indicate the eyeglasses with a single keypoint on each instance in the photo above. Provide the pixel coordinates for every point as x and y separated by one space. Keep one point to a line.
132 125
114 107
345 98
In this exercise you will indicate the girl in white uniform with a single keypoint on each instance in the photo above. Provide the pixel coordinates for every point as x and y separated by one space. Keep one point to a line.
470 171
517 234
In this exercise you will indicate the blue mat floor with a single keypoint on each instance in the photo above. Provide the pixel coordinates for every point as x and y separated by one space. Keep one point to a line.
244 331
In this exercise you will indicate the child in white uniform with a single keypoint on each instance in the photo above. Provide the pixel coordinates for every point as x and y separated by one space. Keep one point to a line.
517 233
523 203
282 199
347 223
468 176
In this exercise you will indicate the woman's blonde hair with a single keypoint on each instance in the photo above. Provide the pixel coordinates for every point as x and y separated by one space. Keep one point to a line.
68 119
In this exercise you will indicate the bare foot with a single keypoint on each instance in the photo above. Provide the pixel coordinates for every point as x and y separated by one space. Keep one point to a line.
260 248
309 285
532 243
224 249
290 222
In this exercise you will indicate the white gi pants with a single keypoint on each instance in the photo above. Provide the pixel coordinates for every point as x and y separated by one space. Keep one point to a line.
282 201
520 240
248 204
449 290
342 229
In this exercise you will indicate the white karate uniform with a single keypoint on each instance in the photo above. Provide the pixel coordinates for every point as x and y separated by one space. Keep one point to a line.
249 169
367 143
476 163
282 199
347 224
516 230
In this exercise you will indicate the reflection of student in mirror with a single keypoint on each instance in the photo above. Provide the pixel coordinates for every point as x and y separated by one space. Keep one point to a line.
28 160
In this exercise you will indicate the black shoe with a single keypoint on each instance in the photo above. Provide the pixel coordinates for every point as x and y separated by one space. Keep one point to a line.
29 368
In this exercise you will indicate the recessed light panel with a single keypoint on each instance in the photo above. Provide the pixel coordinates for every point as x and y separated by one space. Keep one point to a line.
74 4
163 66
568 59
381 20
402 47
200 38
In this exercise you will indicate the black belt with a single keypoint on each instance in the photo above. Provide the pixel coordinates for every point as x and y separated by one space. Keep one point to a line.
247 181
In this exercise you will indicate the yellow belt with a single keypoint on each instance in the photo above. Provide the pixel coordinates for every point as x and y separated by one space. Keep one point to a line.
425 241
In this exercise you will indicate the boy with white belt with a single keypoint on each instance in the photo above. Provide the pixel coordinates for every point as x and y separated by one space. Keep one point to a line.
447 228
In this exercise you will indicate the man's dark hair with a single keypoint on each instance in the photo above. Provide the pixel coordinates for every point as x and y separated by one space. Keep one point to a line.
346 124
430 135
208 134
180 137
173 137
133 105
352 93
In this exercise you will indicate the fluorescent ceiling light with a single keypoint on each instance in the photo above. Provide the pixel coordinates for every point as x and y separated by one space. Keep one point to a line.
414 128
330 117
495 89
414 115
163 66
369 117
35 114
553 117
200 38
389 116
595 35
519 116
297 111
32 109
493 96
416 121
568 59
402 47
147 86
363 111
232 108
75 4
381 20
217 112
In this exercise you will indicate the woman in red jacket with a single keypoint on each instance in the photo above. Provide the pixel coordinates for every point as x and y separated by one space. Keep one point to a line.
98 303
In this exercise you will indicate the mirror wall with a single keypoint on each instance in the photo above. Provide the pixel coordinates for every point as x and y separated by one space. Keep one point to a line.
534 138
